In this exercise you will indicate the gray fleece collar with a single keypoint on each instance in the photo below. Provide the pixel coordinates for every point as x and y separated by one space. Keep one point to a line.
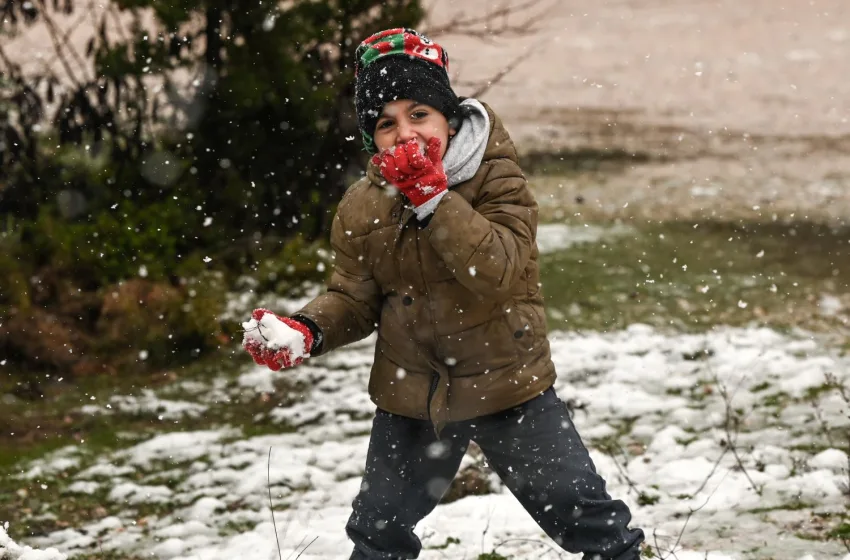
466 150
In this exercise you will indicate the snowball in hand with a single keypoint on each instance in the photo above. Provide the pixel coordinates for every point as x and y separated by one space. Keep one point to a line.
273 333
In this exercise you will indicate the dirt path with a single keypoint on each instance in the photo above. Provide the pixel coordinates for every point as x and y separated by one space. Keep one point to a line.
728 105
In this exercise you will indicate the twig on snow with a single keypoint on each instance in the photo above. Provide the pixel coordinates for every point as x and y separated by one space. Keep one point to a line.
534 541
691 512
269 487
710 474
833 382
732 435
622 469
306 547
486 528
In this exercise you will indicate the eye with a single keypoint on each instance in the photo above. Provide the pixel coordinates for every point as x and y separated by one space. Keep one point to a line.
385 124
420 114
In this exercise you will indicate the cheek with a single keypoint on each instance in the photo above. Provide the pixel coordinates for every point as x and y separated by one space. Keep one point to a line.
383 141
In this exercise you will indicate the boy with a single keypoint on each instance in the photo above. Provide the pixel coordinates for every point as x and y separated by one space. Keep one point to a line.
436 248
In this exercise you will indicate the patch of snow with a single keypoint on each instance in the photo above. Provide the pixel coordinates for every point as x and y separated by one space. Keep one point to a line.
83 487
172 447
829 305
556 237
834 460
130 493
148 403
10 550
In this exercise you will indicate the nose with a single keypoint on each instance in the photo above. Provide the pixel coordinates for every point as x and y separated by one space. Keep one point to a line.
405 132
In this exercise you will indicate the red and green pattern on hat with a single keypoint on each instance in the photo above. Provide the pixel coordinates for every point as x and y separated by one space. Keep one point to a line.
397 41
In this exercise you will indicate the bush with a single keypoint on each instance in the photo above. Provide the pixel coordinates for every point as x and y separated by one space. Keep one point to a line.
154 324
138 175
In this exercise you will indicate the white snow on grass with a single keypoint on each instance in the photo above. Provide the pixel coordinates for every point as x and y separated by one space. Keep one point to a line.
241 303
147 403
10 550
649 404
557 237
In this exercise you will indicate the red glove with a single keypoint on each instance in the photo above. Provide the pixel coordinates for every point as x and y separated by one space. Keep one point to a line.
419 176
257 343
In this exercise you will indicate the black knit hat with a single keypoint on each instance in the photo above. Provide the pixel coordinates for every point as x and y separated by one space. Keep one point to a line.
400 64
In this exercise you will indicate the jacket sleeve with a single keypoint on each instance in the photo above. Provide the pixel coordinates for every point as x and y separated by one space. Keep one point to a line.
350 308
487 246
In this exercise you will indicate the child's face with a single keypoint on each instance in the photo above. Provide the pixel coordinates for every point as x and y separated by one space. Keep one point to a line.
405 119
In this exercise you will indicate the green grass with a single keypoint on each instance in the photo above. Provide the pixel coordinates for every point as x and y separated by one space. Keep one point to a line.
449 541
492 556
695 276
791 506
842 532
582 161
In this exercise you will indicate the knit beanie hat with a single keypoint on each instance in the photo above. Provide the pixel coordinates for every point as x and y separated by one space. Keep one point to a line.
400 64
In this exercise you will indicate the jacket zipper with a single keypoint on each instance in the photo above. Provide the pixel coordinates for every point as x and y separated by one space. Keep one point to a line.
435 380
435 377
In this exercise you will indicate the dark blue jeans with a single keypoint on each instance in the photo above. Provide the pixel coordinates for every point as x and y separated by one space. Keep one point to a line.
536 451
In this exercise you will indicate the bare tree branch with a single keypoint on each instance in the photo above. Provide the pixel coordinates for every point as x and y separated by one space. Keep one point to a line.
484 87
66 36
53 31
484 26
119 25
488 27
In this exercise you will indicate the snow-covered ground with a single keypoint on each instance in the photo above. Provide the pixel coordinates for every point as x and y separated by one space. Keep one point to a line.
650 405
10 550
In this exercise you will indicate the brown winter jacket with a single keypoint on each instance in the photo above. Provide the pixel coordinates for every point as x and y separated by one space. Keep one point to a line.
457 302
